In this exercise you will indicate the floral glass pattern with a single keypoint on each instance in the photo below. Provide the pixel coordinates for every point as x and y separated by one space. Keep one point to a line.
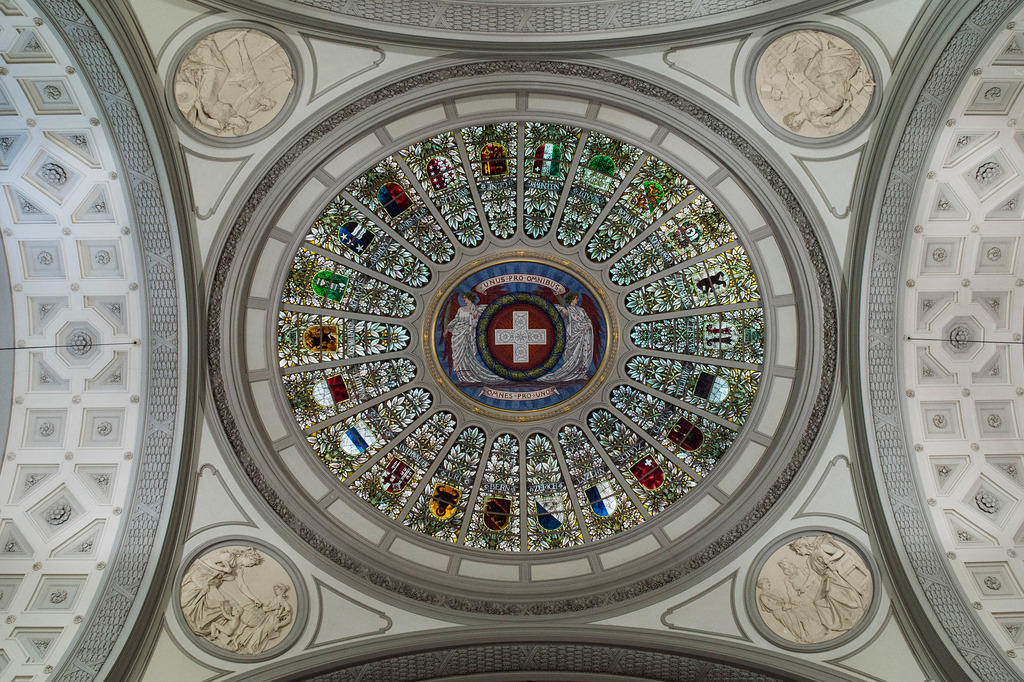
358 298
437 164
493 151
554 148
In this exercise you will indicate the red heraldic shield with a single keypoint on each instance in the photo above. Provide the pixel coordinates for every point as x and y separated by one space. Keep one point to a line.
396 476
339 391
393 198
648 472
686 435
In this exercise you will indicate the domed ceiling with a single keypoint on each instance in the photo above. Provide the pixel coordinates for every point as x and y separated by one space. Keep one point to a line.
545 347
950 369
377 342
521 349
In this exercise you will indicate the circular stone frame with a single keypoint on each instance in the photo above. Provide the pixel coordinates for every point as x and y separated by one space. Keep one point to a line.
750 594
301 600
780 131
290 102
483 328
810 402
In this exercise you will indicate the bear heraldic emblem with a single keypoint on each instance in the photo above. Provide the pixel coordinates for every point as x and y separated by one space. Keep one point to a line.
444 502
497 512
520 335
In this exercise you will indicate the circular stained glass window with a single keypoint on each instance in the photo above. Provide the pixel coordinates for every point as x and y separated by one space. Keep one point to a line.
521 336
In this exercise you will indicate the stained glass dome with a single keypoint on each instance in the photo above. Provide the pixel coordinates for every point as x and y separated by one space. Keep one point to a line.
520 336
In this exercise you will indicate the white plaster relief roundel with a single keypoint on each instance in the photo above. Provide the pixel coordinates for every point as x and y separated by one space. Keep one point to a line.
812 591
241 600
813 84
233 82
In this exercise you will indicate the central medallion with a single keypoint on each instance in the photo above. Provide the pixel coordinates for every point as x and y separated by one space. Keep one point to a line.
520 335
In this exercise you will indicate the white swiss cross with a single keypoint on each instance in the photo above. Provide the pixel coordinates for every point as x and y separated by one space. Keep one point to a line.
520 336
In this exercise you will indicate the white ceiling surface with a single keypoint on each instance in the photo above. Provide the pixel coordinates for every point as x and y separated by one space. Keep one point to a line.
966 269
73 266
825 497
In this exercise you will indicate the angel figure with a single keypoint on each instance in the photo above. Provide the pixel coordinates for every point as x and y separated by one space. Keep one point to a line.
462 344
579 342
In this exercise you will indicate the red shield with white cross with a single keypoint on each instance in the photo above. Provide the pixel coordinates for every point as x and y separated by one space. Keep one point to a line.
521 336
396 476
648 472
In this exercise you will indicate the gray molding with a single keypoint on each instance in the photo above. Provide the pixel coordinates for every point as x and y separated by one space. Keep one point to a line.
889 617
947 627
241 160
578 658
802 512
815 265
246 520
578 25
666 57
6 341
132 579
184 28
314 93
631 654
801 160
322 587
164 630
732 580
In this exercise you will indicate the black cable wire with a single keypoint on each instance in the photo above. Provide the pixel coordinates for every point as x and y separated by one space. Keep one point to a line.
964 342
73 345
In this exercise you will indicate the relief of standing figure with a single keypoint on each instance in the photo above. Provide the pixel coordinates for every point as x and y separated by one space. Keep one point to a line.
462 330
813 589
839 603
221 599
